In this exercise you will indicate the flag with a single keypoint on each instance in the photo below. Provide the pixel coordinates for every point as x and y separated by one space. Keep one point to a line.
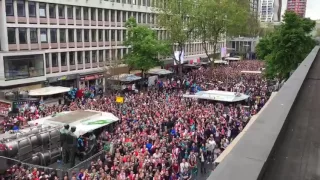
198 60
191 62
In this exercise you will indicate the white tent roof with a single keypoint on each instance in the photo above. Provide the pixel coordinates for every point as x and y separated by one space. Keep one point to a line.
233 59
159 71
47 91
251 72
94 121
221 62
218 96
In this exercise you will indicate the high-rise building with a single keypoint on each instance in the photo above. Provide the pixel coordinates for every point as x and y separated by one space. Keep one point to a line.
270 10
254 7
298 6
69 42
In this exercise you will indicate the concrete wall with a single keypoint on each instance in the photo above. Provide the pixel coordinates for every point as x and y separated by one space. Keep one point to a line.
248 159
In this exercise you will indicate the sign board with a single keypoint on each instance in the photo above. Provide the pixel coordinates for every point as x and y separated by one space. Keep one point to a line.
119 99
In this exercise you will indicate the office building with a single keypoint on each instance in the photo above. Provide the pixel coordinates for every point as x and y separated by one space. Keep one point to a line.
270 10
298 6
71 42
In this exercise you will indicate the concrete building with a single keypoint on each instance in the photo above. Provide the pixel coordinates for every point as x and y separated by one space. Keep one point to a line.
69 43
270 10
254 7
298 6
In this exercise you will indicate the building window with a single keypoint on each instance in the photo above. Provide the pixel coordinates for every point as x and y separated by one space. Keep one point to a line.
70 12
9 8
54 60
124 16
78 13
63 57
71 58
11 35
113 35
107 54
61 11
100 35
21 8
32 9
99 14
106 15
43 36
101 56
93 14
62 35
53 35
87 57
106 35
86 35
47 61
93 35
124 35
33 35
85 14
42 10
118 35
79 57
22 35
71 35
52 10
113 16
118 16
94 56
79 35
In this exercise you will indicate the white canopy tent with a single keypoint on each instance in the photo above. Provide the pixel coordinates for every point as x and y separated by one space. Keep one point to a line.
233 59
159 71
251 72
215 95
221 62
84 121
47 91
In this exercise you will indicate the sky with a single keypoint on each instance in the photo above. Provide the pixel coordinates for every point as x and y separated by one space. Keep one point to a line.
313 9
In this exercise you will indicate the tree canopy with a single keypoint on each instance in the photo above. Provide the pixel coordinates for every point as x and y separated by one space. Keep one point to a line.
214 18
144 46
287 46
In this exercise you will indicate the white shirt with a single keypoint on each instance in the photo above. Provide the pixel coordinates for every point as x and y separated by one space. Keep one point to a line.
184 166
212 145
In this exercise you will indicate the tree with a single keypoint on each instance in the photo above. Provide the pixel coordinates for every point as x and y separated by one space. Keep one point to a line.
175 17
286 47
144 47
214 18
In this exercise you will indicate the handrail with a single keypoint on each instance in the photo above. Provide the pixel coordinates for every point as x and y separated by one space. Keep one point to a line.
248 159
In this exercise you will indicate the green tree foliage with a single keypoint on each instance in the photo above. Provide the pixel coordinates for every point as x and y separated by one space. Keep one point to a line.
214 18
144 47
286 47
174 16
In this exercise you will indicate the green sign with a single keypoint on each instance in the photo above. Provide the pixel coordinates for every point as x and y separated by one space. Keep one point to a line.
98 122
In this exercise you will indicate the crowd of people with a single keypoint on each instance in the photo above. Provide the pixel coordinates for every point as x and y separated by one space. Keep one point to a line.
161 135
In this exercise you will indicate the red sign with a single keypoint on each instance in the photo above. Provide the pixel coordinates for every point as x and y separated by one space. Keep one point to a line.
4 108
91 77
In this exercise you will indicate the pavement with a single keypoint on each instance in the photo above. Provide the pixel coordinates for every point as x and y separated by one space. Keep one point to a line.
297 154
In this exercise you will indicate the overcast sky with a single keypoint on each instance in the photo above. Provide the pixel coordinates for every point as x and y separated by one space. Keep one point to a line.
313 9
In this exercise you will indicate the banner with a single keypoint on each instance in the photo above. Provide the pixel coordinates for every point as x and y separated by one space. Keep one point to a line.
176 56
223 52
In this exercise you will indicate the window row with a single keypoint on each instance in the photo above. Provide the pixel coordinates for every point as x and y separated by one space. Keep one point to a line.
68 35
84 57
86 13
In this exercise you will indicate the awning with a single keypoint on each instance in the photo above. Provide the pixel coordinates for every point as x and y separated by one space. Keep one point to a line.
125 77
47 91
159 71
223 96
